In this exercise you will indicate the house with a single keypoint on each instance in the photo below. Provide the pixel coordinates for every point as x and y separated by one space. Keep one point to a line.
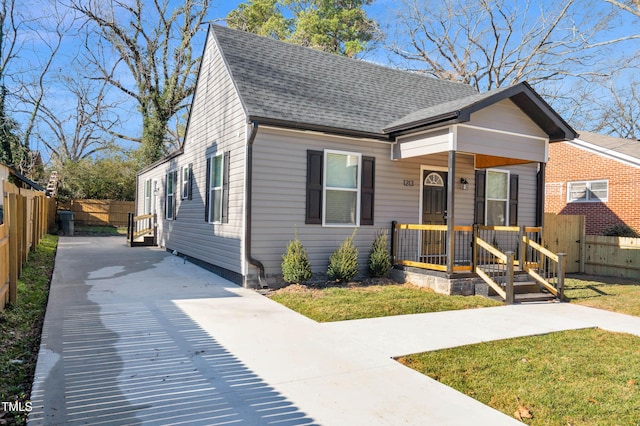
283 138
596 176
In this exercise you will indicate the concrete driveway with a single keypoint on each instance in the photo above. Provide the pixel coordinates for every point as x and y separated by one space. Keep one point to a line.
138 336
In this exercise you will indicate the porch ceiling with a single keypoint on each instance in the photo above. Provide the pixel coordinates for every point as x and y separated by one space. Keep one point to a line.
488 161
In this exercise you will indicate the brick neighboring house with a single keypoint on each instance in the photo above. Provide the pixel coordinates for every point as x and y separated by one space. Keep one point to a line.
597 176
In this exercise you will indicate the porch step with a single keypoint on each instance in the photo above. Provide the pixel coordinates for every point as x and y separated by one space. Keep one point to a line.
526 291
528 298
534 297
145 240
522 287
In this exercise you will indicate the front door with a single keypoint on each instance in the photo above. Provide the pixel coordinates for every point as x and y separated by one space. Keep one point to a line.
434 212
434 197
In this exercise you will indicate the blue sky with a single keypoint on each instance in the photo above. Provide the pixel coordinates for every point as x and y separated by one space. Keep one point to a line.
381 11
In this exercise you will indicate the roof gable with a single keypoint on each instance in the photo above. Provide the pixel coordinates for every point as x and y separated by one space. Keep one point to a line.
460 110
286 83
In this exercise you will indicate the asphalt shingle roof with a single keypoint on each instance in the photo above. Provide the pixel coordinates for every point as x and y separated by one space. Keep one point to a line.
630 147
293 84
444 108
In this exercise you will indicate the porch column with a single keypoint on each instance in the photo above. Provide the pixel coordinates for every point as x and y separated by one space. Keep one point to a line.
541 194
451 190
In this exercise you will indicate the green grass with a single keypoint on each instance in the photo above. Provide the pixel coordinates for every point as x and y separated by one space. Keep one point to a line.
580 377
21 327
613 294
345 303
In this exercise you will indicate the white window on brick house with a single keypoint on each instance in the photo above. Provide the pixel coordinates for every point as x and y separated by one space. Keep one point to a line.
587 191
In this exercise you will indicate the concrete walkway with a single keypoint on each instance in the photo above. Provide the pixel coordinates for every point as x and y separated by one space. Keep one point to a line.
137 336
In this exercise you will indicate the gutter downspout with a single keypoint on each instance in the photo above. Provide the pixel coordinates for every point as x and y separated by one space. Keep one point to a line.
262 281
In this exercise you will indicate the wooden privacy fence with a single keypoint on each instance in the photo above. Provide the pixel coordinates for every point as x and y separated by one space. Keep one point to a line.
27 216
101 212
566 234
591 254
612 256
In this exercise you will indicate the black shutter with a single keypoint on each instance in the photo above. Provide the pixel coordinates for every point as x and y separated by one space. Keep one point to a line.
513 200
314 187
481 179
190 182
225 187
207 178
367 188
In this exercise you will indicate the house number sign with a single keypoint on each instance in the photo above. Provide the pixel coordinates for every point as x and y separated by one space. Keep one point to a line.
408 182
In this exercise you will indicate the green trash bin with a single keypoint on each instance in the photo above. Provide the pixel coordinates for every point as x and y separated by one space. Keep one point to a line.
66 222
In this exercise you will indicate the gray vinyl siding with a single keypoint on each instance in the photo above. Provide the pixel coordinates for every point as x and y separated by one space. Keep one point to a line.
507 117
527 192
485 134
486 142
279 188
217 124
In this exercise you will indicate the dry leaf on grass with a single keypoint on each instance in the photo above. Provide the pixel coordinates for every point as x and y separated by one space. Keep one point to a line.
523 413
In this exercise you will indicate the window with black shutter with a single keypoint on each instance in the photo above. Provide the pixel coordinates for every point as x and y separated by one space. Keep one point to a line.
496 198
340 188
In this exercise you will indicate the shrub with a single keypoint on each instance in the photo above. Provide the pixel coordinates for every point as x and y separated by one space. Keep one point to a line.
380 258
620 230
295 262
343 262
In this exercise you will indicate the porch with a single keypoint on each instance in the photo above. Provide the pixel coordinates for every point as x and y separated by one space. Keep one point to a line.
475 259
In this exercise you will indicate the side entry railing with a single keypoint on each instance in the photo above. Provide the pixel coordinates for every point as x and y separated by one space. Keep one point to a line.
141 230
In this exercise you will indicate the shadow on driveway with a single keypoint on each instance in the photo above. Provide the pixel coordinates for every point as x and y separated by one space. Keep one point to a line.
117 350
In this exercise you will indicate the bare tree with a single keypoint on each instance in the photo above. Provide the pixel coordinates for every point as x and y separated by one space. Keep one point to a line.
631 6
30 44
9 142
618 113
50 35
77 128
494 43
153 61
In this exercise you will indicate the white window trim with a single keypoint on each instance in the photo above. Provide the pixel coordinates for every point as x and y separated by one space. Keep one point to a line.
588 188
173 194
184 187
147 196
356 190
213 188
487 199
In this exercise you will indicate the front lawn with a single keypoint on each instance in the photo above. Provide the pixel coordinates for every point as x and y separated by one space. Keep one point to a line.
613 294
345 303
579 377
